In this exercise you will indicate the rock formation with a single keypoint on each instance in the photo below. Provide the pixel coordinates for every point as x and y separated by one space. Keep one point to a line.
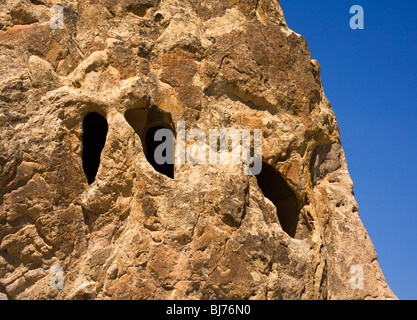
81 199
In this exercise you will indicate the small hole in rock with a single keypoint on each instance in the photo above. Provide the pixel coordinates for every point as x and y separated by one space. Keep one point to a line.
146 123
158 17
94 138
276 189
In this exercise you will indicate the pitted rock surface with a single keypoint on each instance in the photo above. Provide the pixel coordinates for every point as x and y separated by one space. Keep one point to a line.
134 233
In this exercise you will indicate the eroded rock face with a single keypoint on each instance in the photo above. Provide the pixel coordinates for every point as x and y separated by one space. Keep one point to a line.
132 232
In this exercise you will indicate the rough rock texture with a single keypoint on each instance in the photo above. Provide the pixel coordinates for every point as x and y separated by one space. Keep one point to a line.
209 233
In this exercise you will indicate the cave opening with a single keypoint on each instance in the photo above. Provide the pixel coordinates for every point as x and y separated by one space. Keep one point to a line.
146 123
95 130
276 189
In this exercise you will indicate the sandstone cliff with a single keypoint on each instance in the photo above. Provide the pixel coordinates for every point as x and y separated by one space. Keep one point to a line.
117 227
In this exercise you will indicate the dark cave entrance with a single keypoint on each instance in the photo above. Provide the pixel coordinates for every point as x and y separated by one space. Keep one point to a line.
95 129
276 189
146 123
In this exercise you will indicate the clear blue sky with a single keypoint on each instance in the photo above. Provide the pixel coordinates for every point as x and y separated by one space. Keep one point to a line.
370 78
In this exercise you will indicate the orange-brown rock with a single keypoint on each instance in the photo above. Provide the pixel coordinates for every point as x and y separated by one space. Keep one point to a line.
210 232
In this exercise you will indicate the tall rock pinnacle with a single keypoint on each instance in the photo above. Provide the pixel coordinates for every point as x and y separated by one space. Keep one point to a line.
88 212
